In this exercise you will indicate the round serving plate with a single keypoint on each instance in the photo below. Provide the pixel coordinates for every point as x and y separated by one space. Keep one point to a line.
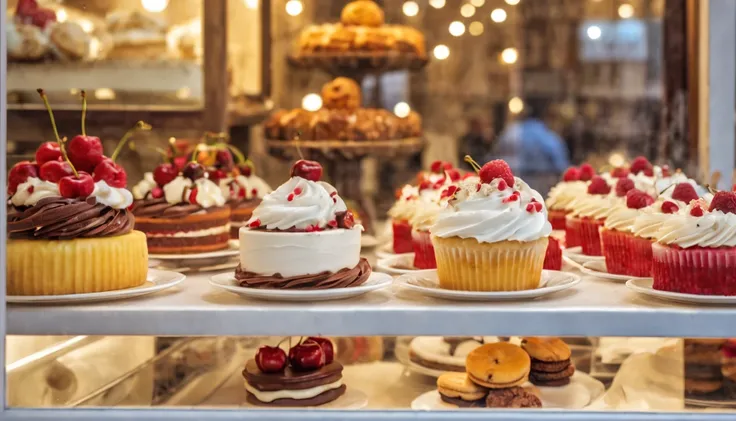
227 282
644 287
398 264
427 283
385 251
156 280
344 149
576 255
358 63
352 399
598 269
368 241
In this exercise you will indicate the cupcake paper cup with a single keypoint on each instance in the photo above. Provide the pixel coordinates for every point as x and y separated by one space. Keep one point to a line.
626 254
553 256
423 250
695 270
402 236
558 219
464 264
590 238
572 232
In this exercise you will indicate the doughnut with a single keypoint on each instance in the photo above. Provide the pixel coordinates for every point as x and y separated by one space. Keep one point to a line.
498 365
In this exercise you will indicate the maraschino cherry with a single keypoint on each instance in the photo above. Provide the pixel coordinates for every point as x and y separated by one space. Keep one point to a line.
165 174
54 171
193 170
48 151
271 359
327 347
111 172
310 170
306 356
19 174
85 152
246 168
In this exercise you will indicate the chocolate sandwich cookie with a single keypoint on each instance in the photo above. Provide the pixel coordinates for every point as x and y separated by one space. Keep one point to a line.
560 378
457 389
550 361
292 387
703 372
702 387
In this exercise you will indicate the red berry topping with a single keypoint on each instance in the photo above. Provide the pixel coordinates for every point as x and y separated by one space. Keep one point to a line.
217 175
447 166
157 192
253 192
666 171
54 171
598 185
513 198
48 151
669 207
453 174
623 185
71 186
497 169
586 172
298 191
43 17
425 184
436 167
307 356
111 173
224 160
327 347
571 174
311 170
180 162
193 171
290 197
271 359
255 224
346 220
637 199
641 164
649 172
620 172
193 196
501 185
696 211
20 174
468 175
449 192
724 201
26 8
684 192
165 174
332 224
534 207
246 169
85 152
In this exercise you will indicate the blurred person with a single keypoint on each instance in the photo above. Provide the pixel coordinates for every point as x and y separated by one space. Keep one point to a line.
533 151
476 142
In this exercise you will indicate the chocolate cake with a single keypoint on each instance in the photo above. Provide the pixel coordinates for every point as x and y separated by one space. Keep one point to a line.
292 387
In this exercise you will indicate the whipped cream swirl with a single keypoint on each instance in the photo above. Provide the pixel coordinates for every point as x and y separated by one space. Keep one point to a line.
564 194
246 188
116 198
597 206
208 193
713 229
403 209
144 186
488 215
33 190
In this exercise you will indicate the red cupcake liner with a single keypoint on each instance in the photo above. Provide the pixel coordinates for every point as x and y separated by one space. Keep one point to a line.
626 254
585 230
553 256
572 232
695 270
423 250
558 219
640 256
402 237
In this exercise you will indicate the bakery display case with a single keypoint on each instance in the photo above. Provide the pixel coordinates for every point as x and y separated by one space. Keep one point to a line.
271 209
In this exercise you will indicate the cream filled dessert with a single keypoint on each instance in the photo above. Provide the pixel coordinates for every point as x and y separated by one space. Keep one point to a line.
590 213
444 353
243 191
303 222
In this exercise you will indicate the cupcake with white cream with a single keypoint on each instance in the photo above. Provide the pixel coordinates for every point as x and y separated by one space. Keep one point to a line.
563 195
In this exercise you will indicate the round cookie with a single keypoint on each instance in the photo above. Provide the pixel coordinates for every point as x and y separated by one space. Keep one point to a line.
362 13
513 397
457 385
546 349
498 365
341 94
702 387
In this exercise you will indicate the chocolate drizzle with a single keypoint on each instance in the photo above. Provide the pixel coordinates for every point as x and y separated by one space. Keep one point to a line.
160 208
64 219
341 279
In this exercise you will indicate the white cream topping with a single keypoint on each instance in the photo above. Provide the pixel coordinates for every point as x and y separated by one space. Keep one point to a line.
435 349
650 219
565 193
426 214
291 394
404 208
116 198
713 229
489 216
144 186
597 206
192 234
33 190
208 194
299 203
255 187
174 191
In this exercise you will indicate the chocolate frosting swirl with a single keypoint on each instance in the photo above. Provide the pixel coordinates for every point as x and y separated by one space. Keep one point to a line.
160 208
341 279
64 219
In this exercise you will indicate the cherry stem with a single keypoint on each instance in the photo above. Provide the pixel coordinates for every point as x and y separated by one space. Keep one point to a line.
84 112
472 163
298 149
198 148
60 141
238 154
141 125
287 338
667 188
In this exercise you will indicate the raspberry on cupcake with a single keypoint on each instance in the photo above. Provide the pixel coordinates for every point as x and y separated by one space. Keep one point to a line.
562 196
589 214
624 254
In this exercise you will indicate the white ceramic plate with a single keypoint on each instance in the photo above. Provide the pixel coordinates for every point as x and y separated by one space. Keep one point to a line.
156 280
385 250
231 250
398 264
352 399
599 270
401 352
581 392
425 282
368 241
227 282
576 254
644 287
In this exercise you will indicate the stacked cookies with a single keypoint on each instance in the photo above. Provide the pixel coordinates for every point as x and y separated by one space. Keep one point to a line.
703 372
550 361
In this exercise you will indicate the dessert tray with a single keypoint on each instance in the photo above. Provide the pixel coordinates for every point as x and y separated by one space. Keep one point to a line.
643 286
598 270
398 264
426 283
157 280
576 255
227 282
358 62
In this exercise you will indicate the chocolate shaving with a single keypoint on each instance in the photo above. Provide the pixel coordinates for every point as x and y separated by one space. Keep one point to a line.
341 279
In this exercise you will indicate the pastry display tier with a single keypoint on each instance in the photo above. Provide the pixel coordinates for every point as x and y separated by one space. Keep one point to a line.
358 64
330 149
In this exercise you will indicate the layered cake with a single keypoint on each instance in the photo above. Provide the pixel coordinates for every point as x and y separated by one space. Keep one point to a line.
550 361
302 236
181 211
307 376
67 216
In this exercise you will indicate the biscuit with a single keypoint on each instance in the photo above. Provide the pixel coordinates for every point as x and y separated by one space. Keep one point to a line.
546 349
702 387
498 365
457 385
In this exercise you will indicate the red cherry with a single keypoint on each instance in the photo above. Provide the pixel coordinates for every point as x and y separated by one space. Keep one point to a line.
48 151
43 17
436 167
586 172
217 175
180 162
193 171
497 169
193 197
311 170
71 186
425 184
571 174
447 166
453 174
111 173
26 8
271 359
346 220
165 174
307 356
255 224
54 171
224 159
327 347
20 174
85 152
157 192
246 169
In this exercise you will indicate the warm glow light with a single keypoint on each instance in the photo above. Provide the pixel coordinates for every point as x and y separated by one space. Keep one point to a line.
312 102
104 94
626 11
475 28
512 2
467 10
478 3
294 7
509 55
154 6
61 15
402 109
516 105
410 8
457 28
594 32
437 4
441 52
251 4
498 15
183 93
86 25
616 160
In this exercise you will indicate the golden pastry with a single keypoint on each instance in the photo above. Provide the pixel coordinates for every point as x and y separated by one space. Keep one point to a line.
362 13
341 94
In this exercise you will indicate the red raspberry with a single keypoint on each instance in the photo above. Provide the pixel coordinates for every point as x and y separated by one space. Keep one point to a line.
497 169
696 211
501 185
649 172
447 166
448 192
684 192
424 185
666 171
436 167
598 186
620 172
637 199
453 174
623 185
669 207
586 172
640 164
724 201
571 174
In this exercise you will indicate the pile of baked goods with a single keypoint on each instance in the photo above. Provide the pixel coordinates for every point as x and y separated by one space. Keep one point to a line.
361 30
341 118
